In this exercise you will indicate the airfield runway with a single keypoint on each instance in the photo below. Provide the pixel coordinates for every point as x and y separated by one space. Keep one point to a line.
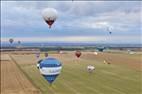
123 75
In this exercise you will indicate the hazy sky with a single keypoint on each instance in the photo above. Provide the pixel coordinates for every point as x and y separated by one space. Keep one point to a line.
78 21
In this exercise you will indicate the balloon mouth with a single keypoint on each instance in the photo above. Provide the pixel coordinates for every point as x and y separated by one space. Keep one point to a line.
50 22
50 78
78 54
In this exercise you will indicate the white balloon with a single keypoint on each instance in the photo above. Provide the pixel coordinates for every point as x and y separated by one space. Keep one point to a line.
95 53
90 68
61 52
49 14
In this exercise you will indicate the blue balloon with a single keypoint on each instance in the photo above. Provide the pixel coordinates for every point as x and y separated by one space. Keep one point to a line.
50 68
100 49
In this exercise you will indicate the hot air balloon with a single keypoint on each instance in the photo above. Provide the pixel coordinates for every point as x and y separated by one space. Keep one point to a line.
46 54
19 42
37 55
105 62
90 68
78 54
50 68
108 63
60 52
95 53
109 29
100 49
11 40
49 15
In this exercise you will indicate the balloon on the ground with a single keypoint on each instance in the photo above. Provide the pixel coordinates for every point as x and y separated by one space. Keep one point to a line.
95 53
131 52
78 54
11 40
49 15
108 63
90 68
60 52
50 68
105 62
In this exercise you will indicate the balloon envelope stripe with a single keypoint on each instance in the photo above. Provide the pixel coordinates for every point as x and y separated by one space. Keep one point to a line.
50 78
50 68
49 65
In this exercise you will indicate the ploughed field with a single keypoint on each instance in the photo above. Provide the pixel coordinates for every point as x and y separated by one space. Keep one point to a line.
13 81
19 74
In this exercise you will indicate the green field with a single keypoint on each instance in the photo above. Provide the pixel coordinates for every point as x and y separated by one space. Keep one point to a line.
74 78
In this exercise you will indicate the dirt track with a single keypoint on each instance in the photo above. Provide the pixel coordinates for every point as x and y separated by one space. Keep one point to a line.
13 81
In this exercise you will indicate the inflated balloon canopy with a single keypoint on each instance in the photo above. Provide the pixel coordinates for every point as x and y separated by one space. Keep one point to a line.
101 49
37 55
11 40
50 68
46 54
49 15
90 68
78 53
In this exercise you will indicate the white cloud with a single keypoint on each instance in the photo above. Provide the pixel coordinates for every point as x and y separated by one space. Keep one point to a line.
98 25
76 15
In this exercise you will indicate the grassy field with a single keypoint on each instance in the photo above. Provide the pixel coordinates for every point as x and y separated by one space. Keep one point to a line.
117 78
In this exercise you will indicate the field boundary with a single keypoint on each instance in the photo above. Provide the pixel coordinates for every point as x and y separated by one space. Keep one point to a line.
25 74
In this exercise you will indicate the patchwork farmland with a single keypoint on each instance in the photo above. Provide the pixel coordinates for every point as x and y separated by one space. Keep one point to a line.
19 74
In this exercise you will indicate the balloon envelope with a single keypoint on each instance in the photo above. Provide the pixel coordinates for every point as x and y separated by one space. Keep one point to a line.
78 54
49 15
60 52
50 68
90 68
19 42
46 54
100 49
95 53
37 55
11 40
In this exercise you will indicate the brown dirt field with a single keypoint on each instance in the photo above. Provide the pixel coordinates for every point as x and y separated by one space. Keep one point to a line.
25 59
4 57
13 81
19 52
